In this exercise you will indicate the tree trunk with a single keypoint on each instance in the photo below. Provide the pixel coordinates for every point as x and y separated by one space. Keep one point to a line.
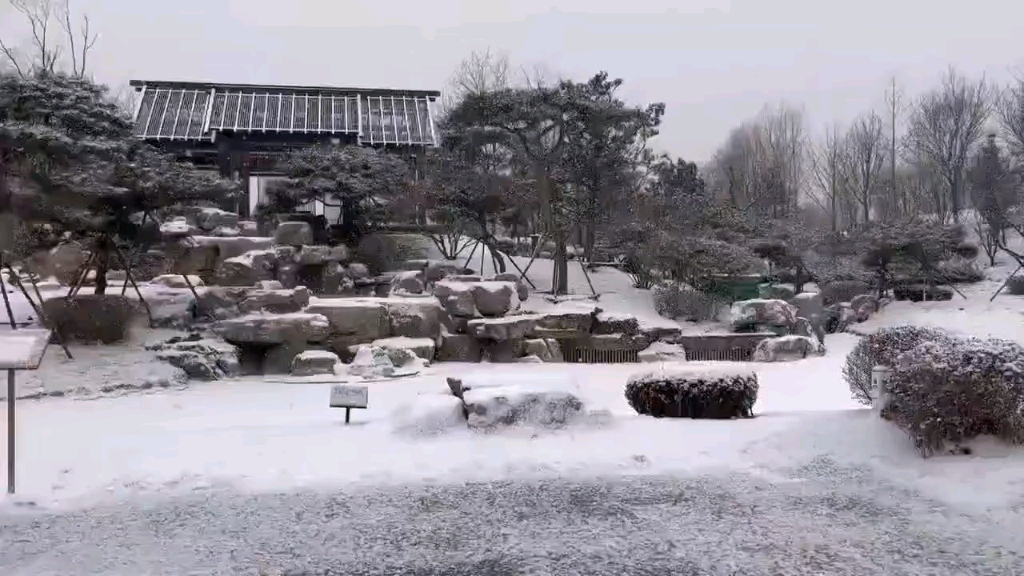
560 283
102 266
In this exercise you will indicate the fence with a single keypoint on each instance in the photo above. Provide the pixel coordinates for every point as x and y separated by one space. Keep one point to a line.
582 355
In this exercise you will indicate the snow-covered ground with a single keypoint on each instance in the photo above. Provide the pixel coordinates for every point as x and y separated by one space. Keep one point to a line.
257 436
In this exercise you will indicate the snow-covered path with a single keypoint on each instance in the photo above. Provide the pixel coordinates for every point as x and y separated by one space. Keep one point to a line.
835 521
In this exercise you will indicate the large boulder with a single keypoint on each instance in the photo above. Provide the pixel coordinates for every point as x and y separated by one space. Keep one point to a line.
537 405
568 322
276 301
522 290
247 269
210 219
407 282
105 318
456 297
318 255
362 319
200 358
502 329
270 329
177 281
748 315
611 323
65 263
458 348
293 234
417 317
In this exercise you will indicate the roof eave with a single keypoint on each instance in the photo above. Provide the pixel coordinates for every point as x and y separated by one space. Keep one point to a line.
193 85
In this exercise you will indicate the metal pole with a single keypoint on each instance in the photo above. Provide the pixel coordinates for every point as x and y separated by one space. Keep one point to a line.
10 431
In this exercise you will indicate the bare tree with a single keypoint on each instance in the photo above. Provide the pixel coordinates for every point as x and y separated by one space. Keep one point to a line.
480 72
946 125
827 174
864 161
1010 113
80 53
46 47
897 200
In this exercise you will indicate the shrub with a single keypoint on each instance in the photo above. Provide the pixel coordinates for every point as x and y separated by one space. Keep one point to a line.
952 390
843 291
676 301
921 293
1015 286
882 348
693 393
958 271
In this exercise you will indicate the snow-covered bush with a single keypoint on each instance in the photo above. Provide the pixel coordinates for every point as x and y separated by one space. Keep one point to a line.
843 291
958 270
685 392
952 390
1015 286
882 348
676 301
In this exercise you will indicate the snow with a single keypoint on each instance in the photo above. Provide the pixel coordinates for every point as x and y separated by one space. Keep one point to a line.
22 349
257 435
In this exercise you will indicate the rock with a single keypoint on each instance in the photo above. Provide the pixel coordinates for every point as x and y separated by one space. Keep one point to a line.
269 329
777 291
358 270
748 314
417 317
220 302
407 282
494 298
522 290
574 321
608 323
503 351
313 362
195 366
293 234
530 359
318 255
501 329
279 359
275 301
371 362
523 404
366 319
456 297
437 270
399 347
270 285
807 304
247 269
103 318
200 358
662 352
177 227
248 228
213 218
177 281
458 348
544 349
335 280
785 348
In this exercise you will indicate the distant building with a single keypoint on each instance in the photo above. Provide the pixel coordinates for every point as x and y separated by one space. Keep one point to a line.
240 129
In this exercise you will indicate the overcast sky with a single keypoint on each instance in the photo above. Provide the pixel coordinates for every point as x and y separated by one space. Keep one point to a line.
713 62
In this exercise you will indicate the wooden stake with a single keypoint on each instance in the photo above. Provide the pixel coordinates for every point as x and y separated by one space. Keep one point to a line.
128 275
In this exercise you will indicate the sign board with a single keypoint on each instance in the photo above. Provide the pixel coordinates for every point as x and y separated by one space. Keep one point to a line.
19 350
349 396
23 349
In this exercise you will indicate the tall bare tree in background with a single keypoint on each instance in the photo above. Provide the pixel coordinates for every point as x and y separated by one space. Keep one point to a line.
864 161
760 168
945 126
48 44
480 73
897 202
826 164
1010 113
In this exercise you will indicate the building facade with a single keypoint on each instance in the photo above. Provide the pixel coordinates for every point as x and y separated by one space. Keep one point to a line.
241 130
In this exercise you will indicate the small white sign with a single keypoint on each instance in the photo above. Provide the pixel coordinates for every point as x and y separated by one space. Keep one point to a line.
349 396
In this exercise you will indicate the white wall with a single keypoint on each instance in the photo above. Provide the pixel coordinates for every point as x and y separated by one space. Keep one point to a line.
258 187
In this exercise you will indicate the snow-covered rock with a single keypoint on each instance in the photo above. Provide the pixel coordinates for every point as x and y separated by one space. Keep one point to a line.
177 281
522 404
364 319
456 297
662 352
544 349
785 348
247 269
312 362
502 329
746 314
495 298
275 301
458 348
200 358
400 347
407 282
371 362
268 329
